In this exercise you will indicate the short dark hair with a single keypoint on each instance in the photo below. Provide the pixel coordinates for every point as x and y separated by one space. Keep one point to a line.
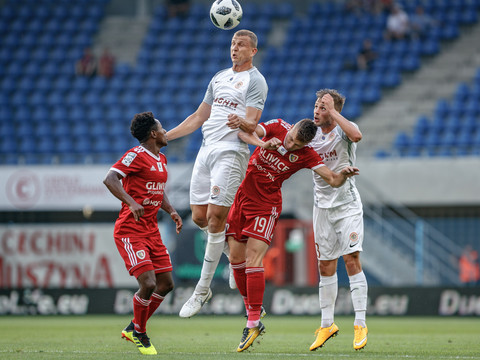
141 126
306 130
338 99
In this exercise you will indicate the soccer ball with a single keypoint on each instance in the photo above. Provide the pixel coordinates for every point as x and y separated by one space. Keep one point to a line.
226 14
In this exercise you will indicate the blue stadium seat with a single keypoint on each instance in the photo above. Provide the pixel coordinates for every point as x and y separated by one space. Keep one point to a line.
79 129
465 139
8 145
422 126
61 129
442 108
371 94
92 98
100 144
26 145
82 145
44 145
401 142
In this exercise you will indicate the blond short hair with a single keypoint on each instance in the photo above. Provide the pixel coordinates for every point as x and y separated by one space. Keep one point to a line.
250 34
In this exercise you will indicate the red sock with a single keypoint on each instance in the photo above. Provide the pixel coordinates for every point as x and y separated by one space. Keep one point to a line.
156 300
140 313
255 291
241 280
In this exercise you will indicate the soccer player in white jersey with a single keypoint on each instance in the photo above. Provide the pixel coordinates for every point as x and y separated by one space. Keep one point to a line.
234 101
337 218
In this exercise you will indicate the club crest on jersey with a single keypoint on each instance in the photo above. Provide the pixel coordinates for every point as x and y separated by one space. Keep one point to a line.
141 254
128 159
160 166
238 85
293 157
215 192
353 237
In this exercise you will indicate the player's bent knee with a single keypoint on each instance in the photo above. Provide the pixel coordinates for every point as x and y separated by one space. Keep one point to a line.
164 289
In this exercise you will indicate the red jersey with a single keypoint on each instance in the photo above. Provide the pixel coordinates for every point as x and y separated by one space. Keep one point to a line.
144 179
268 169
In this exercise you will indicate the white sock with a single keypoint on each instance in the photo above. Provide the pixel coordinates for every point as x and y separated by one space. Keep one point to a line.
327 292
204 229
358 291
226 249
213 252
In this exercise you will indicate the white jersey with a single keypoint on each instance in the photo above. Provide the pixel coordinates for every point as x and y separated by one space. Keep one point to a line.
232 92
337 151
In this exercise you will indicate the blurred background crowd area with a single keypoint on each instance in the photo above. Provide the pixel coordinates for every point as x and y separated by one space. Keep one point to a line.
73 73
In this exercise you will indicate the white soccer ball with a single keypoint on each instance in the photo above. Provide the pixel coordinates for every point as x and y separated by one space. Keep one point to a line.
226 14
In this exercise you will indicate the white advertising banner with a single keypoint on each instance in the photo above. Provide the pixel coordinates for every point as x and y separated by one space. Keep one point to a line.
73 188
55 188
61 256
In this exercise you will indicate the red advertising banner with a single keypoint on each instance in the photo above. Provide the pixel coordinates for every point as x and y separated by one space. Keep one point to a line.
60 256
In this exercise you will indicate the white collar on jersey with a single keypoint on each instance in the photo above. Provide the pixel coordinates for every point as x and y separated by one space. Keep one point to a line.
150 153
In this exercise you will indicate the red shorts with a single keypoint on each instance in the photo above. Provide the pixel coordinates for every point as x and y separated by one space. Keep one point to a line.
142 254
250 219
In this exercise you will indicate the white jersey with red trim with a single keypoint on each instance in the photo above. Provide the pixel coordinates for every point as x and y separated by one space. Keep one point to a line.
337 151
231 92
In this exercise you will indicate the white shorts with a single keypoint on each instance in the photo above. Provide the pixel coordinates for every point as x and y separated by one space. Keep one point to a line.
338 231
218 172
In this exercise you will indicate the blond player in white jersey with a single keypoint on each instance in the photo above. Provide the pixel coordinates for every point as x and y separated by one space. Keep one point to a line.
337 218
234 101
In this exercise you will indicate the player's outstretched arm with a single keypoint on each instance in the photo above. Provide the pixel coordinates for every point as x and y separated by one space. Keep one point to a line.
168 208
336 179
191 123
113 183
254 139
247 124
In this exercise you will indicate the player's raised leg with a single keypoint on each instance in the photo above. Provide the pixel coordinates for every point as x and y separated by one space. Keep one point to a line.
216 216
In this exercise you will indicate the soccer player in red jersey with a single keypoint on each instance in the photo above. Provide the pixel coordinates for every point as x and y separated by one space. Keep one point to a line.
138 179
258 204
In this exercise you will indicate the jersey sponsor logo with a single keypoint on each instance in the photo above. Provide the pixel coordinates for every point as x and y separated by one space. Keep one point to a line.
155 188
225 102
141 254
328 155
153 168
153 185
215 192
149 201
160 166
293 157
281 149
273 121
261 168
273 160
128 159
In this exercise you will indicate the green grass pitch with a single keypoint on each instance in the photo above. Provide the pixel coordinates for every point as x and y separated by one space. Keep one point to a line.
216 337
